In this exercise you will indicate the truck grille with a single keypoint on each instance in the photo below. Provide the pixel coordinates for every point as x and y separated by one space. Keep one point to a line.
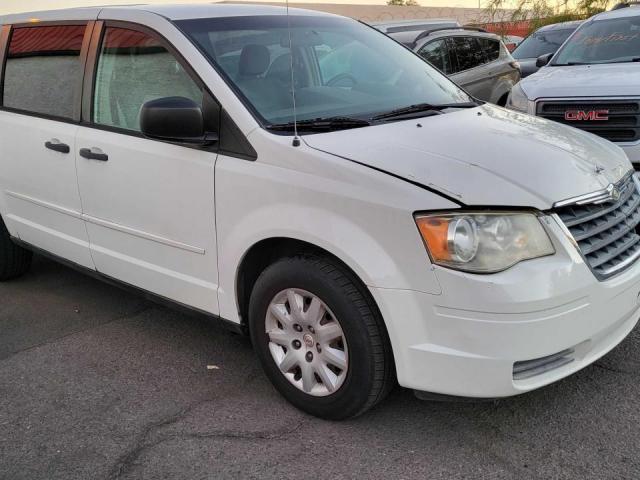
623 124
607 233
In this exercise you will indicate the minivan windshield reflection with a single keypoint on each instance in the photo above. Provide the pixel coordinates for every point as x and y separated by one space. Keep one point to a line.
344 73
603 41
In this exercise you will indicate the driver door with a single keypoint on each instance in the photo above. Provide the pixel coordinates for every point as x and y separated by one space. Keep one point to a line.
148 205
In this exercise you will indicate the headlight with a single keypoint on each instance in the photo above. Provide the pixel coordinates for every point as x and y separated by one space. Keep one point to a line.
518 99
483 242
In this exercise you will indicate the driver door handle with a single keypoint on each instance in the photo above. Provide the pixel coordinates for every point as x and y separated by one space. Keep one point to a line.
57 146
90 154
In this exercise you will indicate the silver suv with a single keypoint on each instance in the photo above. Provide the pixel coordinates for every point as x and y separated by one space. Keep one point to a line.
476 60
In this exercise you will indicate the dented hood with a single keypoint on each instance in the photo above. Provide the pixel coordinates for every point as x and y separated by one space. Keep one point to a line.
485 156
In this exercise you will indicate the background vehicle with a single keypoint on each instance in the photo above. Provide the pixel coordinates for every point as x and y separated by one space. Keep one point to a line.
593 81
476 60
406 31
511 41
344 236
544 40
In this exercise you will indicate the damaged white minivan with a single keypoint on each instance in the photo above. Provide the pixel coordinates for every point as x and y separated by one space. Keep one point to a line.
321 188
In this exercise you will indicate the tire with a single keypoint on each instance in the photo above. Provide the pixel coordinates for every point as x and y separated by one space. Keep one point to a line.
308 281
14 260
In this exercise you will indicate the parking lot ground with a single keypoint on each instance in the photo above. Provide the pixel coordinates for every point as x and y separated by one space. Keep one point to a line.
99 383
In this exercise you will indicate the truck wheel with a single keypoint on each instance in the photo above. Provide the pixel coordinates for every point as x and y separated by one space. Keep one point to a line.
320 339
14 260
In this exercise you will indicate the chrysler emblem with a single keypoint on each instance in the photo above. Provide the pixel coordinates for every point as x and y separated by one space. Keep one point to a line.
615 194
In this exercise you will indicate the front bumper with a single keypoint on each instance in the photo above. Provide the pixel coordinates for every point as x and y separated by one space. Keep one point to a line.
466 341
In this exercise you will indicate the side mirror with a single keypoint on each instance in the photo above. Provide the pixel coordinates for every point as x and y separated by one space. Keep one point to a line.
175 119
543 60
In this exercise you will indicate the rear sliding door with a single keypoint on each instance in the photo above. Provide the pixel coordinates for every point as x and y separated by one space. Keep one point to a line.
41 94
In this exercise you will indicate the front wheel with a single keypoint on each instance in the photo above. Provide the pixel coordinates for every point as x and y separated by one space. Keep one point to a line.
319 338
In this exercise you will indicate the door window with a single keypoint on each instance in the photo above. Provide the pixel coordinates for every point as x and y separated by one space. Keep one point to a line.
134 68
43 72
491 48
437 54
468 52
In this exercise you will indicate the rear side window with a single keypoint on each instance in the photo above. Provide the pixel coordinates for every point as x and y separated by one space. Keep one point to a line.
468 51
437 54
134 68
491 48
43 73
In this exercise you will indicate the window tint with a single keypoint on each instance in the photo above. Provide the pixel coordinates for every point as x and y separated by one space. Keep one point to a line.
134 68
468 52
491 48
43 70
437 54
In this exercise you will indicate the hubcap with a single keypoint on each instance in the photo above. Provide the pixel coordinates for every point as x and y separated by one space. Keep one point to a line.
307 342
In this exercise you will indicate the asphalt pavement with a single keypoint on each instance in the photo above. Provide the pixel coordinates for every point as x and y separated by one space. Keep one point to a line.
98 383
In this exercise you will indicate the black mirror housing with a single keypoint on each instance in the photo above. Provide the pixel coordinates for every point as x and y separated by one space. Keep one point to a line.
174 119
543 60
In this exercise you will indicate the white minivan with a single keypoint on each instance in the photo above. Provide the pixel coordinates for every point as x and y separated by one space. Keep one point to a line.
318 186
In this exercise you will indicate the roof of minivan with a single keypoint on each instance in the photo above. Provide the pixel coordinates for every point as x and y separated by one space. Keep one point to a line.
169 11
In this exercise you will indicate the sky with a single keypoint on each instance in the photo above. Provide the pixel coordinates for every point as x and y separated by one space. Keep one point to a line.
15 6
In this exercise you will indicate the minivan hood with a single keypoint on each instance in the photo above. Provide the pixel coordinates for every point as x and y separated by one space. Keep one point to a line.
485 156
616 79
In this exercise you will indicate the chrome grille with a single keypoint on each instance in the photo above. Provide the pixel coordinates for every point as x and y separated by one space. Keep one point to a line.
623 124
607 233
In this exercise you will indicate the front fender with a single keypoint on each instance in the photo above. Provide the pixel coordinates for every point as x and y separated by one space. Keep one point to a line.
361 216
502 87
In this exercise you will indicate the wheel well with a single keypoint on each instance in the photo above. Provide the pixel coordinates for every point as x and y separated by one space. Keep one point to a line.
266 252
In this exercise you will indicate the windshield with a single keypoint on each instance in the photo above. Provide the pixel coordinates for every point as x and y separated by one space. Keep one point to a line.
540 43
341 68
603 41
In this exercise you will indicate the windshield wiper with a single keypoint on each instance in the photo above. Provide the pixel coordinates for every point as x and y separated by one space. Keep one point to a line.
631 60
423 107
569 64
321 124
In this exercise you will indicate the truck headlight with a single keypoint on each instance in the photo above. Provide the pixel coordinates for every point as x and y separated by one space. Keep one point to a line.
483 242
517 99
